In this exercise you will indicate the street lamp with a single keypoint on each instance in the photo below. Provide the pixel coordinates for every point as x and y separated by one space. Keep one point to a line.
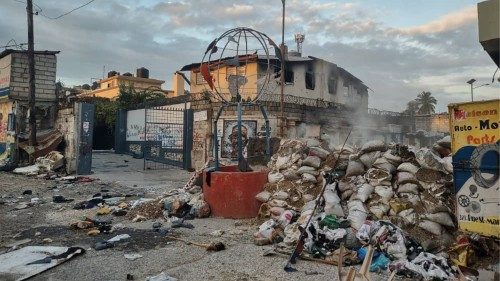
471 82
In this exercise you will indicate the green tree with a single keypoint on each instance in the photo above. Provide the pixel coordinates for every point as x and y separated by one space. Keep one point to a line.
411 108
129 96
426 103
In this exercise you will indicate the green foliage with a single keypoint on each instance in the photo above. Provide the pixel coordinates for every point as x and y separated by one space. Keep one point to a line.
426 103
129 97
105 112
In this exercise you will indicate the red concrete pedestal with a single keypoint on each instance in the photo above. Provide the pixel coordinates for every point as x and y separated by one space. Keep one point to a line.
231 194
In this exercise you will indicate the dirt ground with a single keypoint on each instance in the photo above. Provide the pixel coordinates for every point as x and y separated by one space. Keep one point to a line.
242 260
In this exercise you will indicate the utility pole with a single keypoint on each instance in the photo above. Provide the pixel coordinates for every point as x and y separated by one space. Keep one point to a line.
31 85
282 78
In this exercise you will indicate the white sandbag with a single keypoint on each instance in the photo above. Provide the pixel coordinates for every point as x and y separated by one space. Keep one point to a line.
357 218
364 192
394 159
320 152
277 203
369 158
308 170
307 197
344 185
276 211
309 178
304 216
427 159
430 226
374 145
274 177
332 201
263 196
443 218
280 195
313 161
408 167
292 234
445 142
347 194
356 205
385 192
283 162
376 177
405 177
448 164
379 209
413 198
291 175
408 188
312 142
355 168
384 164
408 215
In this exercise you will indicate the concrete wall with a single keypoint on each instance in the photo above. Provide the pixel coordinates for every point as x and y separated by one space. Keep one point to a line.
433 123
45 77
5 139
66 124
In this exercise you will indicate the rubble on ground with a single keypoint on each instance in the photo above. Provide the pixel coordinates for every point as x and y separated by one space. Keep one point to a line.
394 197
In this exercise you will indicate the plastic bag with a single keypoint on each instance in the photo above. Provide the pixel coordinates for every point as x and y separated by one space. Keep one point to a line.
266 229
357 213
286 217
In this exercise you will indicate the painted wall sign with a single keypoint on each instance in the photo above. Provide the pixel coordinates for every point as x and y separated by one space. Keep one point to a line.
135 125
5 76
229 142
200 116
475 146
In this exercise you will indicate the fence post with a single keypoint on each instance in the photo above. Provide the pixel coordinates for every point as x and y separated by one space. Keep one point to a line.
188 138
120 131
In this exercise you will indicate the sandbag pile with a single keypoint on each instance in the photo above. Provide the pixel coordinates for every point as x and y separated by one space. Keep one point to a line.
406 188
294 176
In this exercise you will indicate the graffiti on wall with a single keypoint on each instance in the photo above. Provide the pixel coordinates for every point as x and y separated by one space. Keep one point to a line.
229 142
170 135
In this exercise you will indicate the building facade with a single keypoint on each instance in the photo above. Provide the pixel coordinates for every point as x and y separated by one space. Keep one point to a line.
110 87
14 92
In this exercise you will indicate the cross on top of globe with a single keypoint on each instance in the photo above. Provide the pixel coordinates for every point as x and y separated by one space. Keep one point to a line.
239 64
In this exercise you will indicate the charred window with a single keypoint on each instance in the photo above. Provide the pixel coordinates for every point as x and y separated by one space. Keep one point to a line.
332 85
288 76
309 78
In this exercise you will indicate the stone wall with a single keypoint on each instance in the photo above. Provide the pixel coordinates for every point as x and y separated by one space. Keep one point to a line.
439 123
66 124
45 77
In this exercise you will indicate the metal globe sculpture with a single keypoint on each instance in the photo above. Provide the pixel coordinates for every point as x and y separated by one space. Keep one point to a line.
239 65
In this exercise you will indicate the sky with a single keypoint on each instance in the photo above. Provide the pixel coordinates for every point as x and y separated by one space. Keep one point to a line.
398 48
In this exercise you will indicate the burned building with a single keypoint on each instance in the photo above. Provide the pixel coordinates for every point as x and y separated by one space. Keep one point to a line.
14 93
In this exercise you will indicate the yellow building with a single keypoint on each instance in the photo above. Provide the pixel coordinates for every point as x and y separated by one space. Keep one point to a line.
110 87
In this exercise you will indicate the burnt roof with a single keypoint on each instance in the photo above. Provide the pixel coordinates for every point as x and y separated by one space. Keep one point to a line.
7 52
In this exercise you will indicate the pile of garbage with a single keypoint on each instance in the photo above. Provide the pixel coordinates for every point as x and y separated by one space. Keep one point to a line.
49 163
393 197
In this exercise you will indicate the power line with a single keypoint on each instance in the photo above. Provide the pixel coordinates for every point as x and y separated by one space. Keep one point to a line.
65 14
39 10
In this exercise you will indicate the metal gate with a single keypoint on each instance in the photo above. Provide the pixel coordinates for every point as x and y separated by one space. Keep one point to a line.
168 137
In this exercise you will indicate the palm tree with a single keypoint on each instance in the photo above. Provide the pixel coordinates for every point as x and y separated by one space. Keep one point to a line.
426 103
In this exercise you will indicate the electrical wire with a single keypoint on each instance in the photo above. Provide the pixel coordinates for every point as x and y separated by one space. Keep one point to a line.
39 10
68 12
